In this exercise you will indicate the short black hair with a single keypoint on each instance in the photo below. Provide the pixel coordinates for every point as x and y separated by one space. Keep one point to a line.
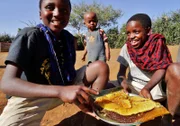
40 2
143 18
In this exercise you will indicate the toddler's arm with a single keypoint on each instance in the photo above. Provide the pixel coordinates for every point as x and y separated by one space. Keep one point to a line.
107 51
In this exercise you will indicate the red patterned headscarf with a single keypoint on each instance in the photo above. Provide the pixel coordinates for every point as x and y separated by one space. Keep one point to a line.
153 55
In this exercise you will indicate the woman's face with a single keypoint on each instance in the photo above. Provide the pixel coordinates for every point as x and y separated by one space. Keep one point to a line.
55 14
137 35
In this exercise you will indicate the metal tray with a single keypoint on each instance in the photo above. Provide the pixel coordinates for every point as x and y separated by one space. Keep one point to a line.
108 120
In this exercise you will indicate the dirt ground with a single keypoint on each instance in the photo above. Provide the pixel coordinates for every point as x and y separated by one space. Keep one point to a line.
69 114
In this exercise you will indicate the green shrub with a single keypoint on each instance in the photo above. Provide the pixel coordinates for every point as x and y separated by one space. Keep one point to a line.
80 43
6 37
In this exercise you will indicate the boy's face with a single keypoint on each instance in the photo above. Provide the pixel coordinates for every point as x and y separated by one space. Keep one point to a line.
90 20
137 35
55 14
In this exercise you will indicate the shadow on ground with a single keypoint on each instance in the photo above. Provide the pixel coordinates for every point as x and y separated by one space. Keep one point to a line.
81 119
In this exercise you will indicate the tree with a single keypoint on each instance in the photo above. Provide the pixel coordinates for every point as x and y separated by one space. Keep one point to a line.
122 37
113 36
107 16
169 25
6 37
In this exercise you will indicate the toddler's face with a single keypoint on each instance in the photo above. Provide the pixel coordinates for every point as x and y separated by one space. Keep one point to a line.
90 20
55 14
137 35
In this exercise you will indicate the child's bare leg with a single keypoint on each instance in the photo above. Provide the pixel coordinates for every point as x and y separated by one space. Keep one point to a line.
172 78
97 75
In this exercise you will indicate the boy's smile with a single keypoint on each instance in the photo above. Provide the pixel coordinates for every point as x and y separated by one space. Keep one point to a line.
137 35
55 14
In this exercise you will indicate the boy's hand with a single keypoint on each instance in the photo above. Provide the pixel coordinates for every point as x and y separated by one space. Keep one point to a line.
125 86
145 93
108 57
73 93
79 95
86 108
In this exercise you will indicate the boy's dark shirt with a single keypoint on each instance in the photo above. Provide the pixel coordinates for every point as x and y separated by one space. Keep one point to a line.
29 51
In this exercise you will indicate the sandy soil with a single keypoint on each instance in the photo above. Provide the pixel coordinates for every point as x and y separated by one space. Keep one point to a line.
69 114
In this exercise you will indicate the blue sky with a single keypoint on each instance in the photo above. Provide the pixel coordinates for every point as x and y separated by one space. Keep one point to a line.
15 13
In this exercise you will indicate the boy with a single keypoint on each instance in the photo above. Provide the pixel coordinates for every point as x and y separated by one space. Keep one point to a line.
96 41
148 58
